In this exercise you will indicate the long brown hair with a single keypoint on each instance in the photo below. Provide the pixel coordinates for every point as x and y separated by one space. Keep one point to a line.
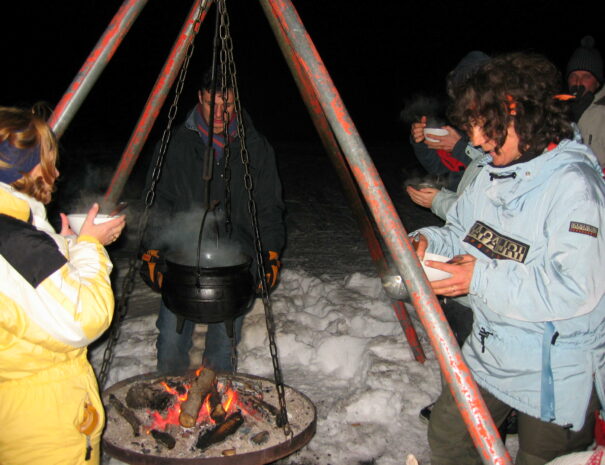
27 129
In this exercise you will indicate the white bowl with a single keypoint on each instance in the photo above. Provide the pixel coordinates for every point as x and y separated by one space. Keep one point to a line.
435 132
77 219
433 273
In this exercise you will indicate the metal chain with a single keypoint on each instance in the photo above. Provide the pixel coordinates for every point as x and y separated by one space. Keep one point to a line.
223 57
129 280
248 183
234 353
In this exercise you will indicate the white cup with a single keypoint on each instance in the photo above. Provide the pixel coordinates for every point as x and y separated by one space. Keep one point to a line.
435 132
77 219
433 273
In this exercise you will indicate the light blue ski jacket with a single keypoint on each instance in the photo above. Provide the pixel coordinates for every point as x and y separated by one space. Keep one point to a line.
538 286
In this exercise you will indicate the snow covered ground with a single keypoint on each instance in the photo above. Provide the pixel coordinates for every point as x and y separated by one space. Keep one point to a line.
338 339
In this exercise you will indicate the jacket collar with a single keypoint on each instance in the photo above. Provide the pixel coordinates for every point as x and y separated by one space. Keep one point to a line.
13 203
521 178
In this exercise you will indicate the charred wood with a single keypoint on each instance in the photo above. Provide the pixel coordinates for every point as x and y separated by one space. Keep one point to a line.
144 395
260 438
217 411
164 439
126 413
221 431
200 387
267 412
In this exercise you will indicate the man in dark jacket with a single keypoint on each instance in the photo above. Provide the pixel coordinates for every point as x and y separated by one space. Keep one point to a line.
181 192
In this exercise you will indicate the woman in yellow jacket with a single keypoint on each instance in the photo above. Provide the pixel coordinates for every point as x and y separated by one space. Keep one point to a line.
55 299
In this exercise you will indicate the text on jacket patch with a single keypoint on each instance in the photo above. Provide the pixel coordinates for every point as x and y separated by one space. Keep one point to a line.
496 245
583 228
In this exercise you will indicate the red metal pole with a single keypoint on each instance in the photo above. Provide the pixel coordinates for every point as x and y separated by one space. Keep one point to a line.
457 374
94 65
156 100
350 187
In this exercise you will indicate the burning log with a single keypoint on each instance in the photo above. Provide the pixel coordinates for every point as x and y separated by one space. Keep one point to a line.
220 432
200 387
164 439
126 413
217 411
268 412
144 395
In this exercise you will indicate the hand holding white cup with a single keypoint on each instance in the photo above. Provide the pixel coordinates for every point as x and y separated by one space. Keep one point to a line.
106 229
434 132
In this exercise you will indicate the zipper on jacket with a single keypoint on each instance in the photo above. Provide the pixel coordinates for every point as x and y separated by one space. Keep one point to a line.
493 176
483 335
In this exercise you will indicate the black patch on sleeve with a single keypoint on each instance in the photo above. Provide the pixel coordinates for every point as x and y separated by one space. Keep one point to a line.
583 228
496 245
32 253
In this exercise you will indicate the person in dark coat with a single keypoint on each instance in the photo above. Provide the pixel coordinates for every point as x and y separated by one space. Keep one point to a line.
182 193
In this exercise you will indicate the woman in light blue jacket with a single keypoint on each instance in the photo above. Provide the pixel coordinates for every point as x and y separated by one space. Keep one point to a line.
527 235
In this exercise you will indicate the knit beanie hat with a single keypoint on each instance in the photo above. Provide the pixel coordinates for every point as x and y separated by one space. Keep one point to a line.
586 58
467 66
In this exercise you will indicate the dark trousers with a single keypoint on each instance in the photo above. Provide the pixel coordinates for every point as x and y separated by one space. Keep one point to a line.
173 348
539 441
459 317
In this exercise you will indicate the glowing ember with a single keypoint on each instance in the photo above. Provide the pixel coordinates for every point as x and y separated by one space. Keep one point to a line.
160 422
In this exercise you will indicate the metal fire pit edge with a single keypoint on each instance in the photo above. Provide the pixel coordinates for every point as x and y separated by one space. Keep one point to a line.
263 456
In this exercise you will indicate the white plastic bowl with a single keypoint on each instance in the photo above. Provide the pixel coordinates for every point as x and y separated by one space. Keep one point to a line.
77 219
433 273
434 132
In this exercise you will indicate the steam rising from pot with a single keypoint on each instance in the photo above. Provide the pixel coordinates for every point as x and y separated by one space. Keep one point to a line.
181 235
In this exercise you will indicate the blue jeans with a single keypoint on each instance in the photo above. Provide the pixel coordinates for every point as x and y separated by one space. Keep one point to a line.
173 348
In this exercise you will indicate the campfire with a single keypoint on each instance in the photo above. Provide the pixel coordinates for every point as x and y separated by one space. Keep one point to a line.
203 416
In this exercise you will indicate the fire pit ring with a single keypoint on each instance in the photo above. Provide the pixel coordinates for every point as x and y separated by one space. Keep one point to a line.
115 445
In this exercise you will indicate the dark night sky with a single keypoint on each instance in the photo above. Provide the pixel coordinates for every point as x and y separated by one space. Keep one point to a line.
377 56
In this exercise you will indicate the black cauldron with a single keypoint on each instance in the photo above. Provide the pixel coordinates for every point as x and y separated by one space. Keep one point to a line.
212 290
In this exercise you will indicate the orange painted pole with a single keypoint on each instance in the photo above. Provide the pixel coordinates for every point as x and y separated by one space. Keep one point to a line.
350 187
94 65
156 99
457 374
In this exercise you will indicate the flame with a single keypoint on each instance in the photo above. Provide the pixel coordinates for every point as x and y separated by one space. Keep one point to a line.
174 392
159 422
204 413
172 418
231 399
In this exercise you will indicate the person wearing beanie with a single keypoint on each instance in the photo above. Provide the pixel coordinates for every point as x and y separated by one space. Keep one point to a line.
585 81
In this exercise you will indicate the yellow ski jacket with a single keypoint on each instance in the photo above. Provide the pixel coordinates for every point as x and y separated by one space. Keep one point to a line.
55 299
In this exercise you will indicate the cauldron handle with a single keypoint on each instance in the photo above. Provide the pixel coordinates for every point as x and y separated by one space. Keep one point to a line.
199 245
198 278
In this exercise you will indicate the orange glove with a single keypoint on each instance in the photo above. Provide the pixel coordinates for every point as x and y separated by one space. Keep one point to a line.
272 266
151 269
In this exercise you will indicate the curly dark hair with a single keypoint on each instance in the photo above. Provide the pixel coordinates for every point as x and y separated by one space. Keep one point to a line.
516 88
